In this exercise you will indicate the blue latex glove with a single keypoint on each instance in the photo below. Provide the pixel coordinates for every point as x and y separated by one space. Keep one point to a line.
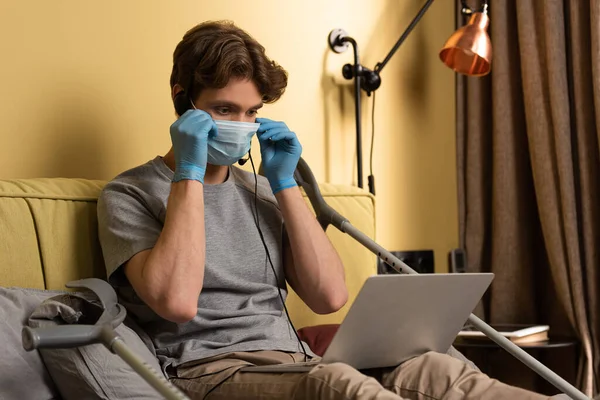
189 135
280 151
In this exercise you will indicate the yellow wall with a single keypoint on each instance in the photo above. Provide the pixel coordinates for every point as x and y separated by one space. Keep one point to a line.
85 93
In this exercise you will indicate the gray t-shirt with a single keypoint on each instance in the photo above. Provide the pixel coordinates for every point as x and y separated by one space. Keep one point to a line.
239 308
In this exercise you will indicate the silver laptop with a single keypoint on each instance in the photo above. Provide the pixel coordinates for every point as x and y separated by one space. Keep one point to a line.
398 317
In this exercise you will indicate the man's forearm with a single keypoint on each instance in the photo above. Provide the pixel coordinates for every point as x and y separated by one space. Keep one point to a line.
317 274
174 270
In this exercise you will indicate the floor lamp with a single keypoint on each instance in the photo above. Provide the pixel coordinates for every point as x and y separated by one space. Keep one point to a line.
468 51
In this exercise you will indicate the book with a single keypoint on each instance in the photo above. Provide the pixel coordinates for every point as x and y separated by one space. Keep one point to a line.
514 332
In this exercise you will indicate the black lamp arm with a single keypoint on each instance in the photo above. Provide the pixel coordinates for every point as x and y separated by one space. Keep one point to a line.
404 35
466 10
371 79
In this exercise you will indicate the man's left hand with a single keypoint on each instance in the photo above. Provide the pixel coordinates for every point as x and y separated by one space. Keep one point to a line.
280 151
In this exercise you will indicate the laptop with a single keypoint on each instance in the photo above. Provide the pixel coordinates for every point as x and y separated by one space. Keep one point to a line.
398 317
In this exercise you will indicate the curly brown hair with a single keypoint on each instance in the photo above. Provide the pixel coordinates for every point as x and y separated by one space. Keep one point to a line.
213 52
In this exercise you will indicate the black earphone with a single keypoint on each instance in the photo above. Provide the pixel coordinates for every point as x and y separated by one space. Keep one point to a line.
182 103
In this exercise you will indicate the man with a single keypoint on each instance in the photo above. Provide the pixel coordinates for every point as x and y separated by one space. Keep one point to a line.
200 252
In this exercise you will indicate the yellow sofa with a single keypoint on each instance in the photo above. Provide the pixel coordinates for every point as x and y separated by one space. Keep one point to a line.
48 236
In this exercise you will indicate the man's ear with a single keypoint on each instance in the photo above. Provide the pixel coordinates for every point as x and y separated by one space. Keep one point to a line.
175 90
181 101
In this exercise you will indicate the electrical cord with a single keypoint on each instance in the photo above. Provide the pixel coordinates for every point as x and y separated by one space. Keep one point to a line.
371 176
262 238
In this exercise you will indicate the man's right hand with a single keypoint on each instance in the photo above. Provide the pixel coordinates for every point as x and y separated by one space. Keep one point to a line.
189 135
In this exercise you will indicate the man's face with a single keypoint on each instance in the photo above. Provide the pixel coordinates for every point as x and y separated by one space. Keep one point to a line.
238 101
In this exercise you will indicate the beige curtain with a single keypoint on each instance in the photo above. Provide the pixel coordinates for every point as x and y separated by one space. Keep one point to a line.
529 171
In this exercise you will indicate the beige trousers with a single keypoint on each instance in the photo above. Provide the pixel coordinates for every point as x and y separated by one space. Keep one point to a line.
432 376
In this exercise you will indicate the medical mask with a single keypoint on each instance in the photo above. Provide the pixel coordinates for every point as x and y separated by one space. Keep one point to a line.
231 143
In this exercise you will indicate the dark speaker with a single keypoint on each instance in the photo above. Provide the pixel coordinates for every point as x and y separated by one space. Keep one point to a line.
457 261
421 261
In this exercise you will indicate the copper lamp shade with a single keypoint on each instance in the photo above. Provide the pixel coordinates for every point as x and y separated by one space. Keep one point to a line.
469 50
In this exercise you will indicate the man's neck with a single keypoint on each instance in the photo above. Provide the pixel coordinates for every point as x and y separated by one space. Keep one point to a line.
214 175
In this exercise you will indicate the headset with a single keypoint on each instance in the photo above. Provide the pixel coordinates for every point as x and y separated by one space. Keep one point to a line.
182 103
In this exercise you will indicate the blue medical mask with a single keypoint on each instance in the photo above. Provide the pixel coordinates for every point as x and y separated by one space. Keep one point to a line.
231 143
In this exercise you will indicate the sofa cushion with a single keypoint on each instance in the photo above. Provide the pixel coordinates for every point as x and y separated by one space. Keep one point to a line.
23 375
358 206
92 371
48 234
20 263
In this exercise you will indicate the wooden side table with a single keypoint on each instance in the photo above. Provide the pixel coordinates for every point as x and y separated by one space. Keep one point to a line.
498 363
